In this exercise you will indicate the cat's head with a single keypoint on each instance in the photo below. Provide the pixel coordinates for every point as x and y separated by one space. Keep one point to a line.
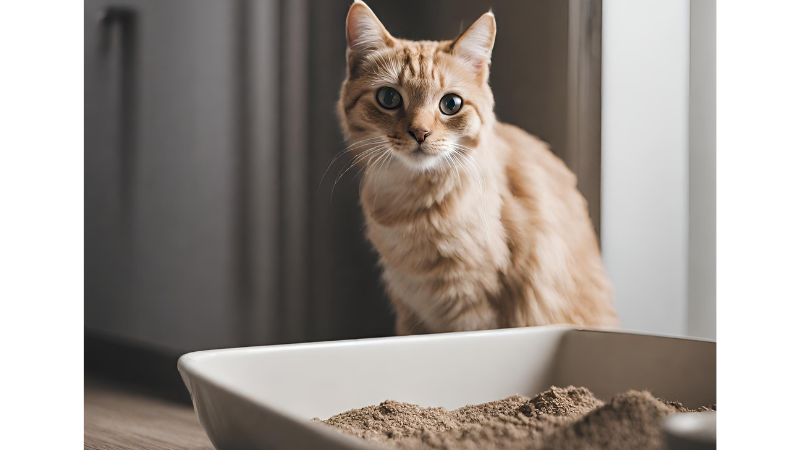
420 100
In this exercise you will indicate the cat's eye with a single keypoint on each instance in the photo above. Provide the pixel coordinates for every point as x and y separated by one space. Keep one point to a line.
389 98
450 104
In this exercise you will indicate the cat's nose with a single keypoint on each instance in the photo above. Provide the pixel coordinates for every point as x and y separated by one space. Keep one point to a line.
419 134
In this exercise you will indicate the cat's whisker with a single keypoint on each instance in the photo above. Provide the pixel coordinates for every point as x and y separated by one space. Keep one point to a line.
358 158
447 161
479 173
372 146
366 166
365 154
415 325
458 173
483 194
459 157
480 181
369 168
349 165
386 157
374 138
363 143
452 165
478 167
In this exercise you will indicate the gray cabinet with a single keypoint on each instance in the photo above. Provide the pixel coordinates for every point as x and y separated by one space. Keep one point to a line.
209 125
160 172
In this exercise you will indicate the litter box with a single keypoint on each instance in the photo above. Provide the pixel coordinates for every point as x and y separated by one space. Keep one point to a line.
265 397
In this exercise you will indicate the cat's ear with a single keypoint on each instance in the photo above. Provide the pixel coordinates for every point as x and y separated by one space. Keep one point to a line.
475 45
365 33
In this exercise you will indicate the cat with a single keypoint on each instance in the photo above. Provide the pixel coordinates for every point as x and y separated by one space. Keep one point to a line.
478 225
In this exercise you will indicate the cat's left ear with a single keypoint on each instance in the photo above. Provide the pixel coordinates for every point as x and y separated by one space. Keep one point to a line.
475 45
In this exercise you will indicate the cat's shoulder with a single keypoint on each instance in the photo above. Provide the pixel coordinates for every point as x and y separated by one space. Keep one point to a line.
516 137
529 153
525 145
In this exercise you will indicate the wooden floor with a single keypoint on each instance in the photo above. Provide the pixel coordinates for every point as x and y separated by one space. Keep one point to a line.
119 418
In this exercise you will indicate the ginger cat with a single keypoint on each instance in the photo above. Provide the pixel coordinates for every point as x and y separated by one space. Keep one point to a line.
478 225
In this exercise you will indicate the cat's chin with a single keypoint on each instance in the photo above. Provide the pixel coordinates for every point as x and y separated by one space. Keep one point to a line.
419 161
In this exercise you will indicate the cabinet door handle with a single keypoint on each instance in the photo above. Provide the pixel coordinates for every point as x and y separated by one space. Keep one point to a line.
120 25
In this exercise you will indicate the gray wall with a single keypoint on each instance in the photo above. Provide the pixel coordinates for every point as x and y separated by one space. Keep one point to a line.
208 128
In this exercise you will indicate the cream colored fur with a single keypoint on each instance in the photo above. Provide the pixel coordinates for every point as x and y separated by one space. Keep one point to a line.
480 226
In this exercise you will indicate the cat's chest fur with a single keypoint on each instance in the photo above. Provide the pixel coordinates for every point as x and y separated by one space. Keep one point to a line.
430 227
440 252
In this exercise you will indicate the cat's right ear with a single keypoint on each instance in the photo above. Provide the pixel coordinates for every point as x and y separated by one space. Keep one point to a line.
365 33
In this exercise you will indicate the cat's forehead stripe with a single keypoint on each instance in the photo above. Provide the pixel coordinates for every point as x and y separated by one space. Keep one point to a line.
409 62
423 68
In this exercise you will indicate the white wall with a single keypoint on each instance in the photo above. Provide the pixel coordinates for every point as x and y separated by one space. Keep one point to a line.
645 172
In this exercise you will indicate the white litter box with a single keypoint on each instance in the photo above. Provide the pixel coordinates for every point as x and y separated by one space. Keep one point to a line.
265 397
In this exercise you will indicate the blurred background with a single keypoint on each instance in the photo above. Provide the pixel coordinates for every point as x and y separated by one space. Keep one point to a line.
209 125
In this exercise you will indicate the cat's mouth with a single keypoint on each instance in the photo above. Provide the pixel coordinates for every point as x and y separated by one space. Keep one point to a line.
420 152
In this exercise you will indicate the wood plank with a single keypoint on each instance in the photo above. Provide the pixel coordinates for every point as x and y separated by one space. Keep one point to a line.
119 418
